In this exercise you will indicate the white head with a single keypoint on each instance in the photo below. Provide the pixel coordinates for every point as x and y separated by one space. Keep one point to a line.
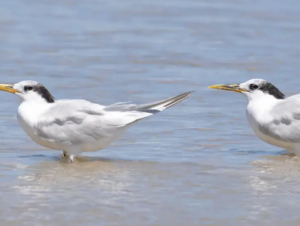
29 91
253 89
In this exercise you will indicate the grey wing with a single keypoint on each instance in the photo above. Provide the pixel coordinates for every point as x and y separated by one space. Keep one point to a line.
74 122
285 121
80 121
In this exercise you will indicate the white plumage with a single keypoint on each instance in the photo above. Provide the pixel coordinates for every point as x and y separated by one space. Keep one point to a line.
77 126
274 118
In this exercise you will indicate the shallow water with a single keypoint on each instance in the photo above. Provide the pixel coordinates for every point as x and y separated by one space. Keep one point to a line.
197 163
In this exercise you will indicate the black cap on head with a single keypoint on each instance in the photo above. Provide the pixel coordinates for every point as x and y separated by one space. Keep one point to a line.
269 88
41 90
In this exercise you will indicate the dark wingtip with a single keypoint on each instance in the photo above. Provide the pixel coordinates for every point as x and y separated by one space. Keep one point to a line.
187 93
178 99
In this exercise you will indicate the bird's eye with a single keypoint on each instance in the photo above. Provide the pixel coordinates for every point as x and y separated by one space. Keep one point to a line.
28 88
253 86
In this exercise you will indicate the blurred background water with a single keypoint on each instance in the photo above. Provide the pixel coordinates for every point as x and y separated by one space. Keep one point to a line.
195 164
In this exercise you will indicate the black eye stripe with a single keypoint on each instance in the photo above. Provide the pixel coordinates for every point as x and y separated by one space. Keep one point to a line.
28 88
253 86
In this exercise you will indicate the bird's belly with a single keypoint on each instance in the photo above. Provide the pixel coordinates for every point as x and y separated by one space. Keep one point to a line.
268 139
75 147
103 142
271 140
79 147
96 145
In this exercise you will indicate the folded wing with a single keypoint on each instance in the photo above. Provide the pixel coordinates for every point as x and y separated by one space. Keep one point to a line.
284 121
73 122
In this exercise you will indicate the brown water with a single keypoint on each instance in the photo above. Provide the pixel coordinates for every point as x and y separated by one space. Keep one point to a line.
195 164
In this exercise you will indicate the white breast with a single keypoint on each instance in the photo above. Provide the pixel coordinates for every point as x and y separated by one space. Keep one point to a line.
28 114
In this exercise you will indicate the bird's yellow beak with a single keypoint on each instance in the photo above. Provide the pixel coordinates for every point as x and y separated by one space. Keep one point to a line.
8 88
233 87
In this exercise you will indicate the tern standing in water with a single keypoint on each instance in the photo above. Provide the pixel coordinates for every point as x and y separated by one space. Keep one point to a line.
273 118
76 126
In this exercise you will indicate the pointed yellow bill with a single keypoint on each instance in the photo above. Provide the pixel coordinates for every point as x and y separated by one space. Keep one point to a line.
8 88
233 87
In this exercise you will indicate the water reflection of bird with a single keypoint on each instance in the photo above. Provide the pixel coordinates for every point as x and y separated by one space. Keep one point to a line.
274 118
77 126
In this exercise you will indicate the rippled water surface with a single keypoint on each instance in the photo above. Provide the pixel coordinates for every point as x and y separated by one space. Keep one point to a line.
197 163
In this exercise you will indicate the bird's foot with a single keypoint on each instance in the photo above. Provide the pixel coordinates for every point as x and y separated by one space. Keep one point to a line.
70 158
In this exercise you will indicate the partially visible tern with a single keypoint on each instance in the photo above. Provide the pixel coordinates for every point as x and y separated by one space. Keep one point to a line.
274 118
76 126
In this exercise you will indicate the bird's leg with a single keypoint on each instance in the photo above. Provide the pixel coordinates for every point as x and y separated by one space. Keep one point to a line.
71 158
